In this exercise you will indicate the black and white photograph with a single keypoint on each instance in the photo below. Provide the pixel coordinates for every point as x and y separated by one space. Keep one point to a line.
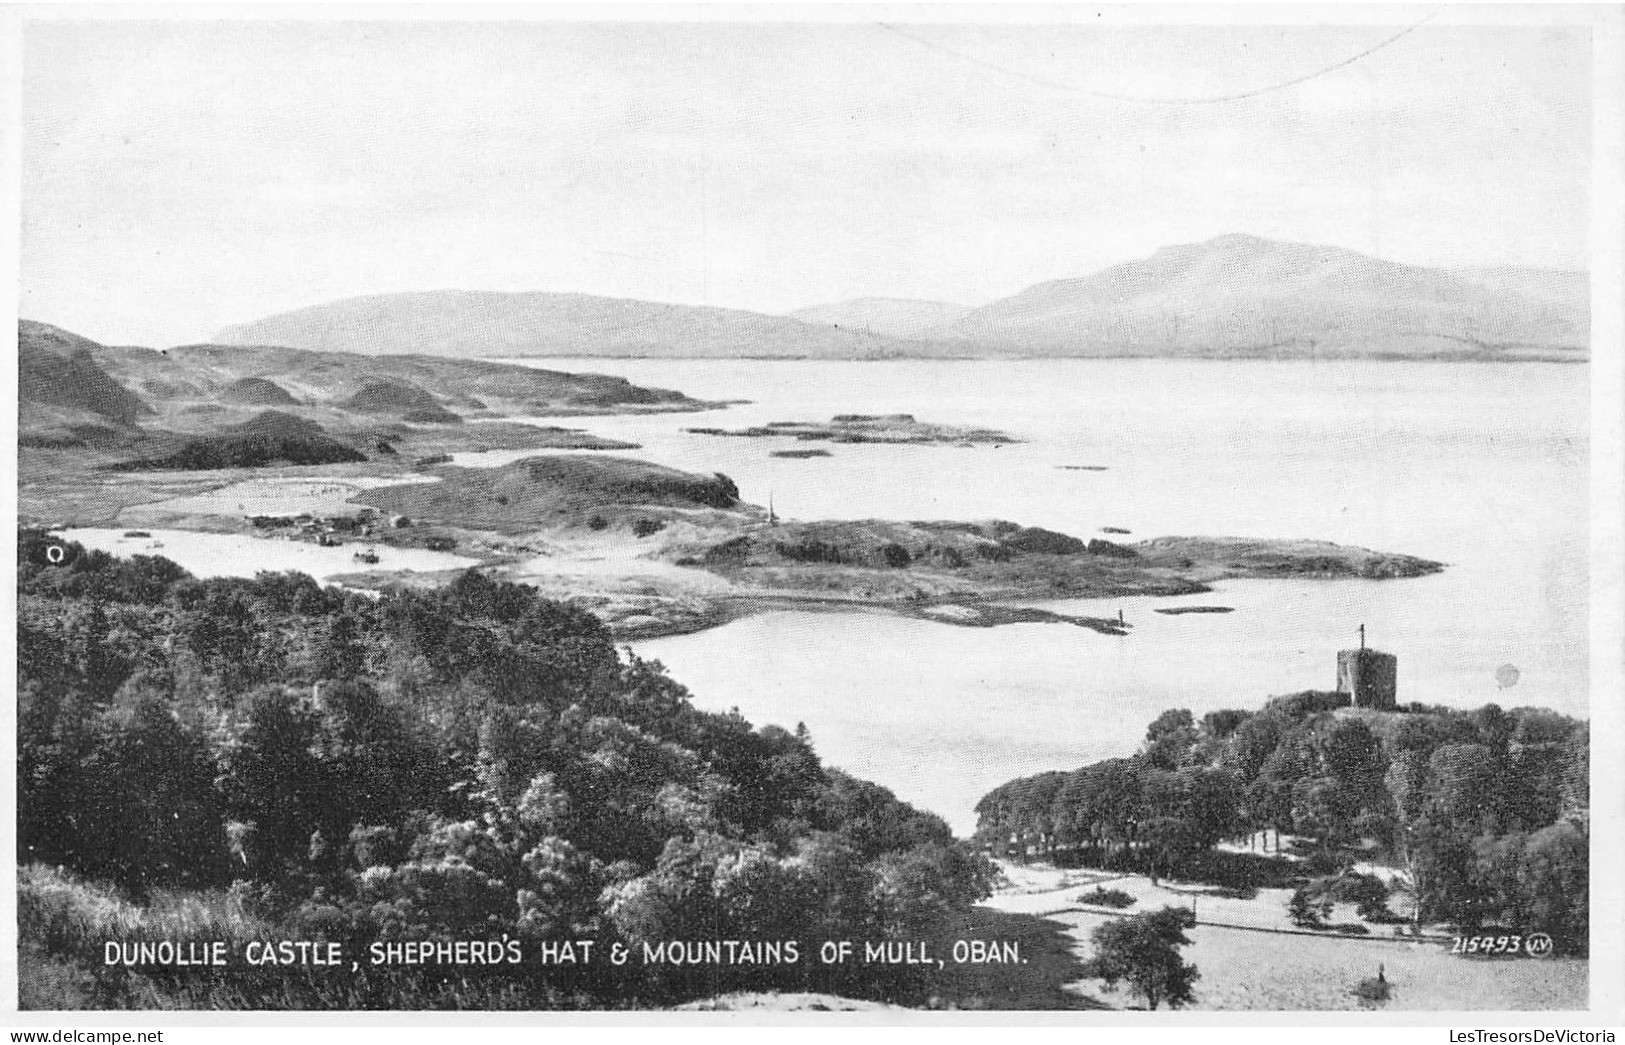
816 510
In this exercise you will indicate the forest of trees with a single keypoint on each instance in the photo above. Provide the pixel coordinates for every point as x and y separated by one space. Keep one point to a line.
1486 811
269 758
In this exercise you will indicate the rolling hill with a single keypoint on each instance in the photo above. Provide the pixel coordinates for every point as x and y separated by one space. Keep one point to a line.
1250 297
202 407
58 369
373 384
548 489
269 437
257 391
484 324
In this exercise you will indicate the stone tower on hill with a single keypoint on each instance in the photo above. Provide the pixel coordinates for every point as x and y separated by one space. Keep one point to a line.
1369 676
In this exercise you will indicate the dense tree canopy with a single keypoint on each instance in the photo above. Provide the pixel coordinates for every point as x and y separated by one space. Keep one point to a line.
1486 811
452 763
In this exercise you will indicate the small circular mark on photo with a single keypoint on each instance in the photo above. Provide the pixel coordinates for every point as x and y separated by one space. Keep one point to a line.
55 554
1507 675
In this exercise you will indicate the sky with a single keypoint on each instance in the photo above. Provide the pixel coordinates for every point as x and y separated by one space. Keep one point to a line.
181 176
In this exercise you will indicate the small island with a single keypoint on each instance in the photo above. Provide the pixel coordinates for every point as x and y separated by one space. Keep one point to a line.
869 428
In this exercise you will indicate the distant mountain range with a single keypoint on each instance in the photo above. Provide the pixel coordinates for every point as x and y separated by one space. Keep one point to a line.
1246 296
1235 296
491 324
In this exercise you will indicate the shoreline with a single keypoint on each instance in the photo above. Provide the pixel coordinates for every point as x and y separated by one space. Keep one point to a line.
645 589
656 552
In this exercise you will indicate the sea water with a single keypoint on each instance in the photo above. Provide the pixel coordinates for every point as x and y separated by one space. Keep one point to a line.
1480 466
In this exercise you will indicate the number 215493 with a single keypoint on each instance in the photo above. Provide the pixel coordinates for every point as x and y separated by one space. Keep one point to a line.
1534 945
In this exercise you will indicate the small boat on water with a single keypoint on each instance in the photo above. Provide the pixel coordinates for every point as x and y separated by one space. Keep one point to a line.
367 556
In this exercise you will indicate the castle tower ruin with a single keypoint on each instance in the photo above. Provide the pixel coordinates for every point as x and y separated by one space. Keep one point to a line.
1369 676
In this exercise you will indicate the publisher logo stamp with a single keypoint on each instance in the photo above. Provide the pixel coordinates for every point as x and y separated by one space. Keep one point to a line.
1538 945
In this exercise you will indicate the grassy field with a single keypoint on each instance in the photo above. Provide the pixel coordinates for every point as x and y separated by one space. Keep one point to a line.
281 495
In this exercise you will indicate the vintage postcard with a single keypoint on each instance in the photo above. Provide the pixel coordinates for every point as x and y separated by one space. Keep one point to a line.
815 510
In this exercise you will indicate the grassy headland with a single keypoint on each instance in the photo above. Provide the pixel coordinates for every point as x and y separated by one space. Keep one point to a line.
678 552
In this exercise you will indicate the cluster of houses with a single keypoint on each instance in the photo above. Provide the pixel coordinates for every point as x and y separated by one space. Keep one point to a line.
331 531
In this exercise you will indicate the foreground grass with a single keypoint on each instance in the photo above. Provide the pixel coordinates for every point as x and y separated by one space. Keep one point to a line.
64 923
